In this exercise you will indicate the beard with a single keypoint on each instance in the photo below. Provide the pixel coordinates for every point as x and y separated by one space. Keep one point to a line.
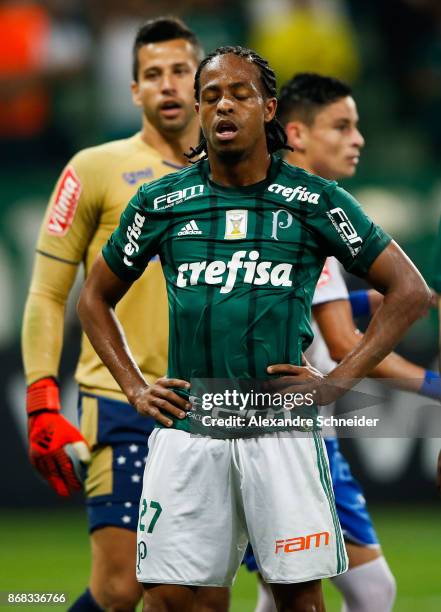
229 156
168 126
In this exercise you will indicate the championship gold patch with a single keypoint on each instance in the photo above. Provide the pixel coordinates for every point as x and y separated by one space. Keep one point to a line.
236 224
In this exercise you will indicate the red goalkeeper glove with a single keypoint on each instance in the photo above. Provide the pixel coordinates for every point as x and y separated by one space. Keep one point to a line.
49 433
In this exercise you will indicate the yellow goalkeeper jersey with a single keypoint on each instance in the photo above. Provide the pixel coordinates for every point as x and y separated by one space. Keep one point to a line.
84 209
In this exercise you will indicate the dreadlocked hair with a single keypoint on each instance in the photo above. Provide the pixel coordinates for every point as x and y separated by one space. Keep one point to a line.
275 134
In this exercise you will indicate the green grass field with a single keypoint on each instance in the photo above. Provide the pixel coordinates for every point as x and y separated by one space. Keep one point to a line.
47 551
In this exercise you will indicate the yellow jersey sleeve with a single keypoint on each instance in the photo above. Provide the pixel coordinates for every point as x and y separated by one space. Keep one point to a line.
43 321
70 220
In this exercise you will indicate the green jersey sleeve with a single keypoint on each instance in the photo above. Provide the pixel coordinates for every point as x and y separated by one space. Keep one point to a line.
349 234
437 269
135 241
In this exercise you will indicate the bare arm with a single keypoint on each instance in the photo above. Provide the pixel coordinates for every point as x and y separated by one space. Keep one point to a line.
406 297
375 300
43 321
341 336
99 296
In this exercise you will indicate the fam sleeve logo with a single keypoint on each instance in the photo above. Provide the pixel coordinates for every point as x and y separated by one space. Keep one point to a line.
65 203
346 230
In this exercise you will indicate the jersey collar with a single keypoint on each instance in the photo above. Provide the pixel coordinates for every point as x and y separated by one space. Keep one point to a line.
204 169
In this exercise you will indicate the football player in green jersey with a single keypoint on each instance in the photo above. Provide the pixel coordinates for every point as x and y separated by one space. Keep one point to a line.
84 208
242 238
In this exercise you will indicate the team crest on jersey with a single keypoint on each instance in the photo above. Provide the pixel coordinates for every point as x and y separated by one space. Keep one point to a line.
65 203
236 222
282 219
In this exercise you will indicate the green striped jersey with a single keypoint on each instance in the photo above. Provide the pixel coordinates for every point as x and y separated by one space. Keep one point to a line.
241 264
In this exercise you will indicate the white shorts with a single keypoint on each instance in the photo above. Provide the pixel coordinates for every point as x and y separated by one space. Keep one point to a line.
204 498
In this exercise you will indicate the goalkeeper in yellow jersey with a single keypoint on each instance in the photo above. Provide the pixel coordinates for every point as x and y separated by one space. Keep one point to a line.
84 209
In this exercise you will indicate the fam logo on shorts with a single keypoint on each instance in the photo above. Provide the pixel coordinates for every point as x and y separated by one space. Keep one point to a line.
65 203
236 222
292 545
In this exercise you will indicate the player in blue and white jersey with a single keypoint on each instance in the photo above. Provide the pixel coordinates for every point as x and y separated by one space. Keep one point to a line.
321 120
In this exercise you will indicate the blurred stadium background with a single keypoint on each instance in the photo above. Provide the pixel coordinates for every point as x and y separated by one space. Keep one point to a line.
64 85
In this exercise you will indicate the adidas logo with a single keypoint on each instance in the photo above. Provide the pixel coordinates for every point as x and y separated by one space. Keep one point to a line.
190 229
